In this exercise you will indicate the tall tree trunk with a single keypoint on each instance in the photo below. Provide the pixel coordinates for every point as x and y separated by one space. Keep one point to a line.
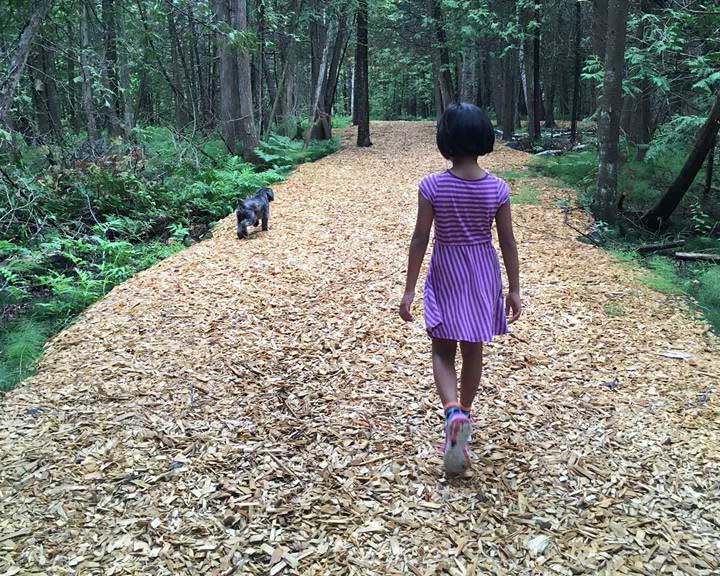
248 136
444 77
606 198
229 93
468 76
361 58
536 91
19 58
177 58
576 72
509 92
109 67
51 93
87 81
128 123
37 91
659 214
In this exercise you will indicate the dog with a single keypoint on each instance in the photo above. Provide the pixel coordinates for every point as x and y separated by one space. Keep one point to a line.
254 209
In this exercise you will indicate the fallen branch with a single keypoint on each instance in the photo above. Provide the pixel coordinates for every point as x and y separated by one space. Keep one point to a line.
649 248
697 256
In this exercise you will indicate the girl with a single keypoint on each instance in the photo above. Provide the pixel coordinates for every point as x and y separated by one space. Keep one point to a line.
463 292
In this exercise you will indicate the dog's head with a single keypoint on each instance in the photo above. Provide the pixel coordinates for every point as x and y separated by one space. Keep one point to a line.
268 192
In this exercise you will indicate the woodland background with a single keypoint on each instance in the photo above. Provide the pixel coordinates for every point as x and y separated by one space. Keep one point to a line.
128 128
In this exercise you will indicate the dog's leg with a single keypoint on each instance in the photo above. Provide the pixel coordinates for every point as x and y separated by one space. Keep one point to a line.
266 217
241 227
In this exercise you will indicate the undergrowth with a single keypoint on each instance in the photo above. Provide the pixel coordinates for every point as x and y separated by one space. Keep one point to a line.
74 229
696 221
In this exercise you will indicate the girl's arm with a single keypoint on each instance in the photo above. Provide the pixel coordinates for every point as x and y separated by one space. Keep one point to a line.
508 247
418 246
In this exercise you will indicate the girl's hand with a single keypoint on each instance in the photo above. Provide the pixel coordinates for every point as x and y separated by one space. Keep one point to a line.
513 302
406 306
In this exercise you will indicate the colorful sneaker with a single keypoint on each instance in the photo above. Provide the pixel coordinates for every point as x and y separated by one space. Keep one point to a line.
457 434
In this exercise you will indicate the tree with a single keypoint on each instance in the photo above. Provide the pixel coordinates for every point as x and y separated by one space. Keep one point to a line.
660 213
362 100
605 201
441 57
576 72
19 58
248 136
88 103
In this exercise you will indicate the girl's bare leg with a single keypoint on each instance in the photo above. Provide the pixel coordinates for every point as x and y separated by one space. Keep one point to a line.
443 361
472 364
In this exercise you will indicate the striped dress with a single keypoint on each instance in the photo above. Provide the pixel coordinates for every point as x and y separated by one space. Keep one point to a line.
463 291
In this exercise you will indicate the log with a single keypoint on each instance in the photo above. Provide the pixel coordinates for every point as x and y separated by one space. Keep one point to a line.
697 256
649 248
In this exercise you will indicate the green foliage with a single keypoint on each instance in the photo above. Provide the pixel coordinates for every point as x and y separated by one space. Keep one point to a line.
22 343
708 295
662 276
75 232
526 195
614 309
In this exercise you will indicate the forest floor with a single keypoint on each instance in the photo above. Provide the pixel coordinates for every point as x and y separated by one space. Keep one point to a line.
257 407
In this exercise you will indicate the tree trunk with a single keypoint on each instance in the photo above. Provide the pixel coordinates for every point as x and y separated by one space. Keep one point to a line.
87 92
110 75
659 214
19 58
605 202
509 99
361 58
181 109
229 93
444 77
37 91
536 92
576 73
248 136
128 123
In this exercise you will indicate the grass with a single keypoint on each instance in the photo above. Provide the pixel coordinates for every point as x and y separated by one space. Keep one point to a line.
22 344
526 195
614 309
514 174
708 295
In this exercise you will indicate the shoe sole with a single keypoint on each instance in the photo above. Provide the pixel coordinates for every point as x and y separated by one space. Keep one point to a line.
455 459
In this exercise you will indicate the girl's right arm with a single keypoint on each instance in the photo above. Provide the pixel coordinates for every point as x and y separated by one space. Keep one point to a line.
508 247
418 246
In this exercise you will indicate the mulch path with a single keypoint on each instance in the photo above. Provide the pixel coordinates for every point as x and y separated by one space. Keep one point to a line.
257 407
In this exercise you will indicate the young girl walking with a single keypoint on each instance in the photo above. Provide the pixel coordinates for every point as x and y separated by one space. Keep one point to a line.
463 294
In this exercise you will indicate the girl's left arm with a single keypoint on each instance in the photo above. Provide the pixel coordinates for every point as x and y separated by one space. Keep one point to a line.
418 247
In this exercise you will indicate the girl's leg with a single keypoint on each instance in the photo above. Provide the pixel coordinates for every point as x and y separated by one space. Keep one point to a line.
472 363
443 361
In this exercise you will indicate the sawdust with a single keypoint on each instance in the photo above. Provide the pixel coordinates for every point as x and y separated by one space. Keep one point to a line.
257 407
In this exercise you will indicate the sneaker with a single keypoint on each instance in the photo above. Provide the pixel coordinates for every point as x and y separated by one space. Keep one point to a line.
457 434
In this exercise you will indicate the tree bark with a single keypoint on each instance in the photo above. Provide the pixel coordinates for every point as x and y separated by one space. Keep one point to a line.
509 99
248 136
87 91
659 214
576 73
443 57
19 58
229 82
361 59
605 202
128 123
109 68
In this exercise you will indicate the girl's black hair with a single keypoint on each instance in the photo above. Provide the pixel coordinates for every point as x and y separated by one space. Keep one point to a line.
464 130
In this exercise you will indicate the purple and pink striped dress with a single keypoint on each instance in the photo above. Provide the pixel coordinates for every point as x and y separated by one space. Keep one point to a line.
463 292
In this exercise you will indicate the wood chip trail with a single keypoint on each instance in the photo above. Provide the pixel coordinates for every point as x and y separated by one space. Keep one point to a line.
257 407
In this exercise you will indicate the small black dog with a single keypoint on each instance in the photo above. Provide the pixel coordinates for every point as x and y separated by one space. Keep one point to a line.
254 209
